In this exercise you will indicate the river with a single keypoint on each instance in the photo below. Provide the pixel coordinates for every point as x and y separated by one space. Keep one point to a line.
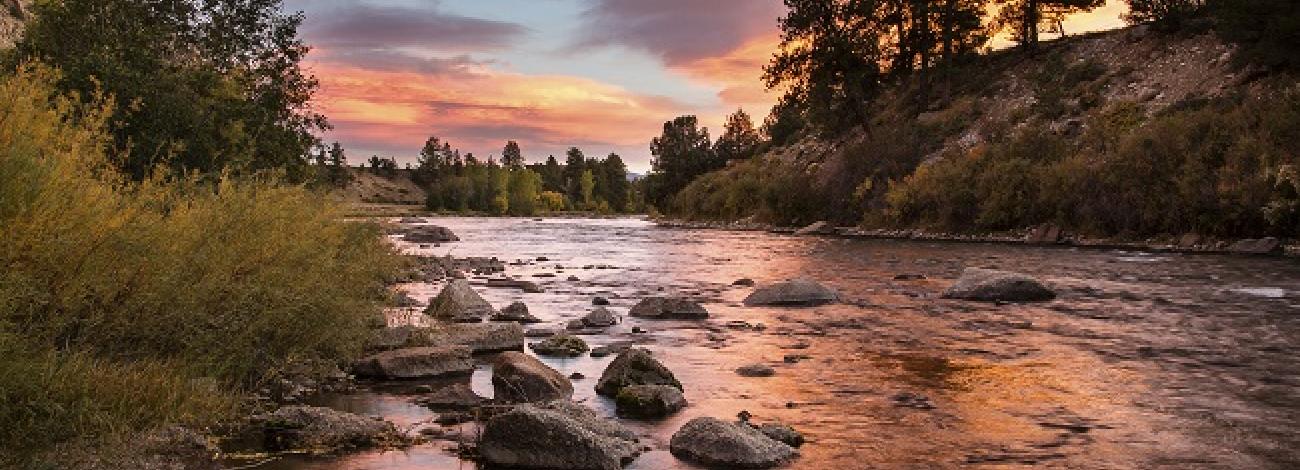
1144 360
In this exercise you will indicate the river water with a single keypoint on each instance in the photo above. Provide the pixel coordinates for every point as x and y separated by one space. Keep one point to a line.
1144 361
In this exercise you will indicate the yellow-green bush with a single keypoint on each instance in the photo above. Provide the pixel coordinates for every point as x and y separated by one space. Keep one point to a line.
162 280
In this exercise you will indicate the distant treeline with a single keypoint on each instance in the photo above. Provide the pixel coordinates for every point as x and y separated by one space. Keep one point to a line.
874 89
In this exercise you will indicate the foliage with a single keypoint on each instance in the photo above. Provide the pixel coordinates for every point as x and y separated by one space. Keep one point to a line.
1268 30
680 154
199 85
1167 15
1217 168
1025 18
739 139
512 156
117 293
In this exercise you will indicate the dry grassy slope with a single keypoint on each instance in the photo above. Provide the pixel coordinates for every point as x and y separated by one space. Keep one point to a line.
367 187
1141 67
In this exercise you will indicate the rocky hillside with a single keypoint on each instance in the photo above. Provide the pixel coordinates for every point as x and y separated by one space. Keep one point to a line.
983 148
13 14
367 187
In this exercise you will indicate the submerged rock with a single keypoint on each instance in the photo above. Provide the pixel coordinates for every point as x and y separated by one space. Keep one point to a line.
743 282
416 363
459 303
558 435
1262 246
669 308
561 345
410 220
756 370
520 378
429 234
795 292
634 367
526 286
716 443
516 312
988 285
319 429
609 349
649 401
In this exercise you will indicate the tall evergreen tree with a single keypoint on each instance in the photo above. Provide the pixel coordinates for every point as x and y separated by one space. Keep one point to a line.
739 139
680 154
512 157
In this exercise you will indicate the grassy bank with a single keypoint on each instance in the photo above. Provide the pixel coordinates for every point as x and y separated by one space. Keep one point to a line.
125 306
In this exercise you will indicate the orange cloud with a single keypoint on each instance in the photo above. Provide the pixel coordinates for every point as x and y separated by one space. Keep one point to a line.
395 111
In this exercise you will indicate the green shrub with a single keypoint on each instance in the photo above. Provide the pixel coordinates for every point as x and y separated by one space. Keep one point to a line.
106 280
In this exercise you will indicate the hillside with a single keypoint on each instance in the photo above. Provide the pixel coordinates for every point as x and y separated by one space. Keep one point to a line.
1119 133
13 13
367 187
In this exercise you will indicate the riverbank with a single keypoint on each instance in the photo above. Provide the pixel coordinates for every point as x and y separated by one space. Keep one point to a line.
1039 236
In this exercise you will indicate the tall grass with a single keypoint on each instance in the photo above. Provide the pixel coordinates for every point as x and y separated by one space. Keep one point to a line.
117 297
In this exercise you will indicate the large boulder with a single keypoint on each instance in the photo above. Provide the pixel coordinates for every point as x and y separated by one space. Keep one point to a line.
668 308
795 292
416 363
523 285
458 396
318 429
716 443
988 285
520 378
480 338
459 303
561 345
558 435
1261 246
429 234
635 366
649 401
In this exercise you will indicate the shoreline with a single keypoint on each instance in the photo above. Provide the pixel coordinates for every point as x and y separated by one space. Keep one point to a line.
1032 238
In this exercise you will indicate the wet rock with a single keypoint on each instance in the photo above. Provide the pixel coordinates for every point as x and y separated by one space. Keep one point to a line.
743 282
314 428
669 308
1262 246
416 363
634 367
453 418
385 339
520 378
541 333
481 338
458 396
599 301
1046 234
796 292
782 433
429 234
649 401
600 317
577 376
716 443
756 370
561 345
609 349
557 435
459 303
404 300
988 285
913 400
573 279
516 312
526 286
795 358
909 277
817 228
410 220
638 330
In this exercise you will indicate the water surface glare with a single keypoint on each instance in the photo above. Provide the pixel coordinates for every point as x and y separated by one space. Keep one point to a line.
1144 361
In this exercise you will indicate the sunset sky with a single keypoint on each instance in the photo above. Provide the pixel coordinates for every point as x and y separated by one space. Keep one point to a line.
602 75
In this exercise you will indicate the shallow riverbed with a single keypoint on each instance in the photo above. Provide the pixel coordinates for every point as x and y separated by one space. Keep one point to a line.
1144 361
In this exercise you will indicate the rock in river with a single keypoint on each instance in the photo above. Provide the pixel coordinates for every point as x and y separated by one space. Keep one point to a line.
716 443
781 433
649 401
1261 246
600 317
459 303
516 312
988 285
429 234
520 378
416 363
756 370
669 308
480 338
557 435
634 367
561 345
796 292
322 429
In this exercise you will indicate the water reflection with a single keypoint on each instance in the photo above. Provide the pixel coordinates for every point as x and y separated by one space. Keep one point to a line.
1169 361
